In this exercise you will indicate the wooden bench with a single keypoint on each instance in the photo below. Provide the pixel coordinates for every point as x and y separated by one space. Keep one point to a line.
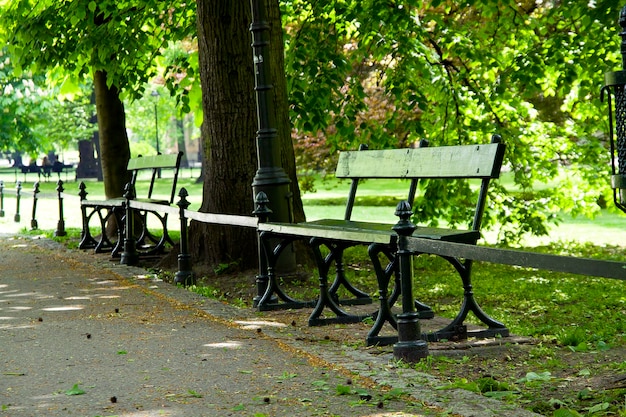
58 168
113 209
480 162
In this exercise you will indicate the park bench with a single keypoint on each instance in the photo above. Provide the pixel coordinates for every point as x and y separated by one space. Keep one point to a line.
57 167
114 209
479 162
31 169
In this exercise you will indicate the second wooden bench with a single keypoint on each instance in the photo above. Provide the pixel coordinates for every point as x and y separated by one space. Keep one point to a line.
111 210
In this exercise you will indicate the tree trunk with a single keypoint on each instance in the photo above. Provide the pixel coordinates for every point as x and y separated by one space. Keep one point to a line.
281 104
230 124
228 130
114 149
88 164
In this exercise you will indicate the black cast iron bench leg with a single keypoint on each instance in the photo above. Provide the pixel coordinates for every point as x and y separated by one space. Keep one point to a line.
157 244
456 329
87 241
105 243
325 298
384 314
360 297
424 311
274 298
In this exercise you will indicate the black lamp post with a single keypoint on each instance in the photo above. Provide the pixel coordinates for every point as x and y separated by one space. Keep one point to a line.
615 86
156 95
270 177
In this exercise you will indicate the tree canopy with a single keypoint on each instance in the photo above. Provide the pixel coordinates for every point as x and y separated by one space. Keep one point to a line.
452 72
74 38
29 103
387 74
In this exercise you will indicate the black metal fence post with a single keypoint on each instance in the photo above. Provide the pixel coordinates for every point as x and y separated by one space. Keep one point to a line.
1 198
61 224
184 275
33 219
129 256
86 240
262 212
18 194
410 346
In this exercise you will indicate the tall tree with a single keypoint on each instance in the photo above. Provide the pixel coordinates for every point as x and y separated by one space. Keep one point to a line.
228 106
230 124
114 42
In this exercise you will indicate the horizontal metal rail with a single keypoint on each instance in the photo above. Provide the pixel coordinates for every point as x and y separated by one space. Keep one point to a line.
558 263
224 219
212 218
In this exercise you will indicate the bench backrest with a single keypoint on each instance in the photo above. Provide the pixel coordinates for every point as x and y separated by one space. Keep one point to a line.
154 164
452 162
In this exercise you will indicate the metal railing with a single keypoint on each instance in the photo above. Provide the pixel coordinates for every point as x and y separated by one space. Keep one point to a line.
408 246
21 195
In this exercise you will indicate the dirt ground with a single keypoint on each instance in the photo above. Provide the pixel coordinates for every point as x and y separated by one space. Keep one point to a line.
534 374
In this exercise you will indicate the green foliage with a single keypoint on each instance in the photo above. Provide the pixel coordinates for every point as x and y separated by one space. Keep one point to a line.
157 112
75 390
20 100
343 390
533 377
181 74
388 74
575 338
65 38
28 105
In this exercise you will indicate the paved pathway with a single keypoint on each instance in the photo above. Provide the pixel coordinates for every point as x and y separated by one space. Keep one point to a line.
83 336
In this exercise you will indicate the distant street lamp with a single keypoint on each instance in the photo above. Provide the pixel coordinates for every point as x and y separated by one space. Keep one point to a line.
156 95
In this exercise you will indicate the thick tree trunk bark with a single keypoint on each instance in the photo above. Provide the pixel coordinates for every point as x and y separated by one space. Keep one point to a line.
230 124
114 149
228 130
281 104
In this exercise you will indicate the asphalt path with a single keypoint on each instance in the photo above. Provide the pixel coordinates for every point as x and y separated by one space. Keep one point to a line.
81 335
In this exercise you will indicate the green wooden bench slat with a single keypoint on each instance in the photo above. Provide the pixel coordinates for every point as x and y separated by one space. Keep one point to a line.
153 161
462 161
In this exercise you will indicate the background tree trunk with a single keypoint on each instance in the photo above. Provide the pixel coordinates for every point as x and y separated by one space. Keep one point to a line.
114 149
281 104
